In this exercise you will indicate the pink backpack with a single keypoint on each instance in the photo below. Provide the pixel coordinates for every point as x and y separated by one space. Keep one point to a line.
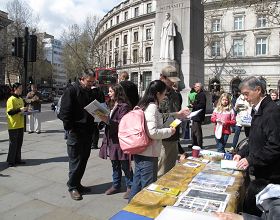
132 134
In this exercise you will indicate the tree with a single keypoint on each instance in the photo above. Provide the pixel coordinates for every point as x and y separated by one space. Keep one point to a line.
22 16
79 50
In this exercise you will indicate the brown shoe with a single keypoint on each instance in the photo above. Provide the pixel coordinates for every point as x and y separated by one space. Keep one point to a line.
75 195
112 190
127 193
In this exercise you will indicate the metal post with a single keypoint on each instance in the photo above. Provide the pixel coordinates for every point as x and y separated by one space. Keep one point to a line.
25 61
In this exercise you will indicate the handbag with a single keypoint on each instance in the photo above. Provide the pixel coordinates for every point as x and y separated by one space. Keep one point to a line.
219 130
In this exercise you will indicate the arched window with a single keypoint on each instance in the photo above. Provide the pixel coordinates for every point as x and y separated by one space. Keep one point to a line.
214 85
235 84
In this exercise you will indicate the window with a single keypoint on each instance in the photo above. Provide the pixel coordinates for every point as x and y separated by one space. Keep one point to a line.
238 47
216 25
216 49
261 46
135 56
111 23
126 15
261 21
116 59
134 78
135 36
110 45
148 54
136 12
106 26
117 42
106 46
239 23
110 60
147 78
118 19
149 8
148 34
125 39
124 57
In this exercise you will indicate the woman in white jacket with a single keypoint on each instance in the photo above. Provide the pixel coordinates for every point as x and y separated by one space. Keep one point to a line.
146 163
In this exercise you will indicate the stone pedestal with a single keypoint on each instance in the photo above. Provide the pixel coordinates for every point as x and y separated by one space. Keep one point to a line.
189 41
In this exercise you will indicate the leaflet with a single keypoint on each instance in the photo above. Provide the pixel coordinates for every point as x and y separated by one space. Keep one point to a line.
192 114
97 109
163 189
229 164
203 201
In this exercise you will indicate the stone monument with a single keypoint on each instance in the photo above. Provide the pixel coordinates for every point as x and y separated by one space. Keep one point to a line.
183 30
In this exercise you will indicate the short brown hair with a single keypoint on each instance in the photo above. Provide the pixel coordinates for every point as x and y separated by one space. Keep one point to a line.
124 76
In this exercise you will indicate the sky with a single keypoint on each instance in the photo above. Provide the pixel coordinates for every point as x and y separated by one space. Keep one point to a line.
57 15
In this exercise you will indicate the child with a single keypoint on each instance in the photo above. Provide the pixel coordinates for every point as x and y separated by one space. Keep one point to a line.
223 115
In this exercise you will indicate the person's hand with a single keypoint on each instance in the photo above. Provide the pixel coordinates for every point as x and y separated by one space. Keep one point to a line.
23 109
236 157
104 118
183 157
173 130
183 113
243 164
228 216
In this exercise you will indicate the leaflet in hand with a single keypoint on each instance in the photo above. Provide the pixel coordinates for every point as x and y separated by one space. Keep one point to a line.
175 123
229 164
192 114
97 109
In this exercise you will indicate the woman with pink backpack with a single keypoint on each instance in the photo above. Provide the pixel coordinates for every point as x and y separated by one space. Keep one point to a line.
146 162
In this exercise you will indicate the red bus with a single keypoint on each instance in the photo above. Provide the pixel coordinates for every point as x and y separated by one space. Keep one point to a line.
106 77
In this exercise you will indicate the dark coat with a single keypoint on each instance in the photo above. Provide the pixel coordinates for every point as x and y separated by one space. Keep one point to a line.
270 209
199 103
263 149
72 111
110 145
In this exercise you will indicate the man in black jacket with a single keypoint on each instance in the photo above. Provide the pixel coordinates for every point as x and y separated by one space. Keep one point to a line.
263 150
199 103
80 126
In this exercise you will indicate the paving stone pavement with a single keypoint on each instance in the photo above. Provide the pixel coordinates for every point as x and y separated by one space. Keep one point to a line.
37 190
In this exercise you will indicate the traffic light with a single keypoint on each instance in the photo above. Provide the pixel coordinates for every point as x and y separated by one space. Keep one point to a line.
32 48
17 49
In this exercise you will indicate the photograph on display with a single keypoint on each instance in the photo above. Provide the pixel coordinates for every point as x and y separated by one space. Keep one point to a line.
202 201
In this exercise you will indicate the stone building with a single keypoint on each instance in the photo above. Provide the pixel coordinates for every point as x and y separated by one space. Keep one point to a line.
128 39
4 22
240 40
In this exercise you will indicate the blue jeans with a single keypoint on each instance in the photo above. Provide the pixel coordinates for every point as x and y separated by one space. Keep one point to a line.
145 173
118 166
236 135
221 143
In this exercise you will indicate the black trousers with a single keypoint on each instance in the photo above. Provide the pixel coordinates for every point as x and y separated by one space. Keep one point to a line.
95 136
197 134
78 149
16 139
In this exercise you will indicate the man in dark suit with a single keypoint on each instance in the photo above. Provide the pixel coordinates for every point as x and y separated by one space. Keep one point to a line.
263 150
199 103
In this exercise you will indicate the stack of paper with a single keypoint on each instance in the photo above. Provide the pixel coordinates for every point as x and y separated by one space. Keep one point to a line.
163 189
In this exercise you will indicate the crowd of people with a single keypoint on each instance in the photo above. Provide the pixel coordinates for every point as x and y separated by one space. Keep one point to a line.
253 109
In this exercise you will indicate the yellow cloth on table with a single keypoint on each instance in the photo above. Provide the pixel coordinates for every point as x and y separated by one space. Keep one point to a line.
150 204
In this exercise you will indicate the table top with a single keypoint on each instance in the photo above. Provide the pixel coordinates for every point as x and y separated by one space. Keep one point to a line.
150 204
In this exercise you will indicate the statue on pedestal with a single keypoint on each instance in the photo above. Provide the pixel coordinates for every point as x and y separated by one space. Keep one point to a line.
168 33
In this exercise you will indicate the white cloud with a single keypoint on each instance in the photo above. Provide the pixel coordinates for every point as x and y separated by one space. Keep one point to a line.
57 15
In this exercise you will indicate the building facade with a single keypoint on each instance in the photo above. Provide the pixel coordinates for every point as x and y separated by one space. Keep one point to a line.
53 53
239 41
125 38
